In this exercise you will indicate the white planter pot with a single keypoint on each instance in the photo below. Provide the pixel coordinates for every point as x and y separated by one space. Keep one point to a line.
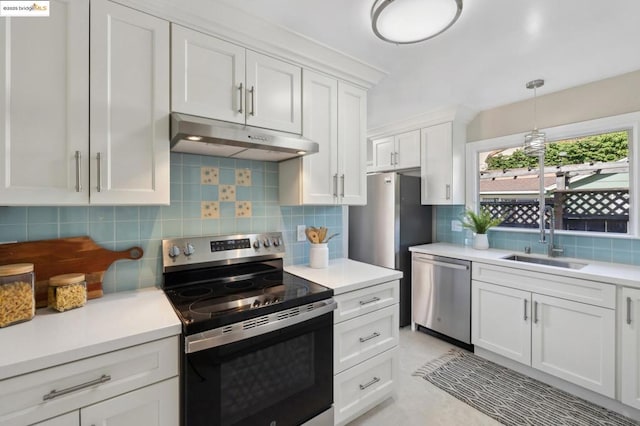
480 242
319 255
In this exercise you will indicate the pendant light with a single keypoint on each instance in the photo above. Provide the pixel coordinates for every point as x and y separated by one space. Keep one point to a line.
413 21
534 141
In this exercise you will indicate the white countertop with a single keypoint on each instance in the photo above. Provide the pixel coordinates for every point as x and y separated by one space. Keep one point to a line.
614 273
344 275
112 322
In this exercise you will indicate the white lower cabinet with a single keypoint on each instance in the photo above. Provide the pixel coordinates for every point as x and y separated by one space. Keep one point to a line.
630 344
87 383
69 419
365 349
564 338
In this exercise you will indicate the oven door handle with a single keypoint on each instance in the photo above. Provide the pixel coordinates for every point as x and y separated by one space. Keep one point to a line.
257 326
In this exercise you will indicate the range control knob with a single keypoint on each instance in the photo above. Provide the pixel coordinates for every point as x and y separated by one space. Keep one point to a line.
276 242
174 251
256 303
267 243
189 249
256 244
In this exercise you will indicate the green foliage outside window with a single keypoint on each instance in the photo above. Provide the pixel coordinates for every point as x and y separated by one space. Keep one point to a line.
607 147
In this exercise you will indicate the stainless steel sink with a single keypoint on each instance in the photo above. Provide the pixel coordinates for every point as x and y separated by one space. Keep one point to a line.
545 261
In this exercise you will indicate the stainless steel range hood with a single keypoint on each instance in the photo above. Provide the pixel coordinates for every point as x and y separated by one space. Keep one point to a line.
204 136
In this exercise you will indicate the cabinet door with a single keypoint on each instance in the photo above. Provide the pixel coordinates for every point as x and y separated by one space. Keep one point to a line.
207 76
574 341
155 405
384 151
436 163
274 93
129 106
69 419
320 110
44 104
407 154
500 320
352 129
630 347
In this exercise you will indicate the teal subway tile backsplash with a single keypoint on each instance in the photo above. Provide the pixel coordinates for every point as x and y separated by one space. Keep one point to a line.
120 227
602 249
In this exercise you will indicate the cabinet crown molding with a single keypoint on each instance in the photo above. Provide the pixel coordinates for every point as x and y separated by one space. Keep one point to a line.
234 25
459 114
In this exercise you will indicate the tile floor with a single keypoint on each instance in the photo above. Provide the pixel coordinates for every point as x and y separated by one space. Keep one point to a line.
418 402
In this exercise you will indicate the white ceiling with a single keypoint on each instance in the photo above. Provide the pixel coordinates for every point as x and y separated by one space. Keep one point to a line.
484 60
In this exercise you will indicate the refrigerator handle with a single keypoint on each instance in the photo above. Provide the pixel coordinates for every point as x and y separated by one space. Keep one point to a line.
342 191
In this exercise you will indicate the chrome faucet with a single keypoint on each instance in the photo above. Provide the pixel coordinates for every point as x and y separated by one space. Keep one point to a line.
552 250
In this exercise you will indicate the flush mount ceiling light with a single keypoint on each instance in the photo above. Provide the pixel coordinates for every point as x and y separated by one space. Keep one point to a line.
412 21
534 141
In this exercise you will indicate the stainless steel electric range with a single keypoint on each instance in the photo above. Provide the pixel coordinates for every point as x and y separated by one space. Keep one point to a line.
257 342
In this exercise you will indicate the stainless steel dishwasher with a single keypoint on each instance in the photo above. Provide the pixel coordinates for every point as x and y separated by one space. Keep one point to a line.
441 296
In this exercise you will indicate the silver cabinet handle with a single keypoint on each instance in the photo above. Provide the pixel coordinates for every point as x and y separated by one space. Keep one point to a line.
78 157
628 310
372 300
535 312
56 393
335 185
342 191
372 382
525 310
99 171
240 90
391 155
372 336
252 92
395 159
448 191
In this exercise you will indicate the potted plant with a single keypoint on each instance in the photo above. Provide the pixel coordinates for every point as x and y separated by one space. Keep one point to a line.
480 223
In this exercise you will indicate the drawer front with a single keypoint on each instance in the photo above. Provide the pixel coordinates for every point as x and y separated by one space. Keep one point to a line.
360 388
364 337
360 302
69 386
578 290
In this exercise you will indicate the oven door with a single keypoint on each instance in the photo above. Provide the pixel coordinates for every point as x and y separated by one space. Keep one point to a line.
283 377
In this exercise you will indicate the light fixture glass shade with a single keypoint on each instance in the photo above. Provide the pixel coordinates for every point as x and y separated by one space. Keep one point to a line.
534 143
412 21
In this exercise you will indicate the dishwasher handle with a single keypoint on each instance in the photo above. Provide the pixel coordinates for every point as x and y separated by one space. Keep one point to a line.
442 264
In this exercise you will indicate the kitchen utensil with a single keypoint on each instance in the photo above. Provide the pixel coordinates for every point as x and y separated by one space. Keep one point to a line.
323 234
64 256
312 235
334 235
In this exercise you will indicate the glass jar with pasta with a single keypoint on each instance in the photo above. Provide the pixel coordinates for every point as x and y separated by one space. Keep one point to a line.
67 291
17 295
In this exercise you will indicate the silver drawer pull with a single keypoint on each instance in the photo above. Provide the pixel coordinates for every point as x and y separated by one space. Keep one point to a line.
373 336
372 300
628 310
56 393
372 382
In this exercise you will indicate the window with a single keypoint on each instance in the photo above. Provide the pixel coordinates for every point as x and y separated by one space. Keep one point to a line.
588 177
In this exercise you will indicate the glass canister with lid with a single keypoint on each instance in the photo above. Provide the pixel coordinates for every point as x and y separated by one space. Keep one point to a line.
17 295
67 291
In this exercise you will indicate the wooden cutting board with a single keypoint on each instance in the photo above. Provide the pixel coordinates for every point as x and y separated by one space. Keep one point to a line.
64 256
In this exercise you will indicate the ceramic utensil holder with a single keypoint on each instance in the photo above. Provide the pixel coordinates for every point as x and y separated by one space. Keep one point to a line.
319 255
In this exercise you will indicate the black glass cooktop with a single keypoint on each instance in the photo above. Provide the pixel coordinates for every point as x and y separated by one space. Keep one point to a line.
207 304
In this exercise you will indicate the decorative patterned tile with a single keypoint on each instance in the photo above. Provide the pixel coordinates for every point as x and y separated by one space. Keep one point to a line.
243 208
243 177
227 193
210 210
209 175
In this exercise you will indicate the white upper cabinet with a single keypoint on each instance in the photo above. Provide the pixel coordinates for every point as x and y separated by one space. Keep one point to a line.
334 117
217 79
396 152
44 103
352 134
129 106
208 76
442 164
630 325
274 93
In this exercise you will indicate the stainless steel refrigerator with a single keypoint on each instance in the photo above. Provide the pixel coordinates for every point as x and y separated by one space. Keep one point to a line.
381 232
